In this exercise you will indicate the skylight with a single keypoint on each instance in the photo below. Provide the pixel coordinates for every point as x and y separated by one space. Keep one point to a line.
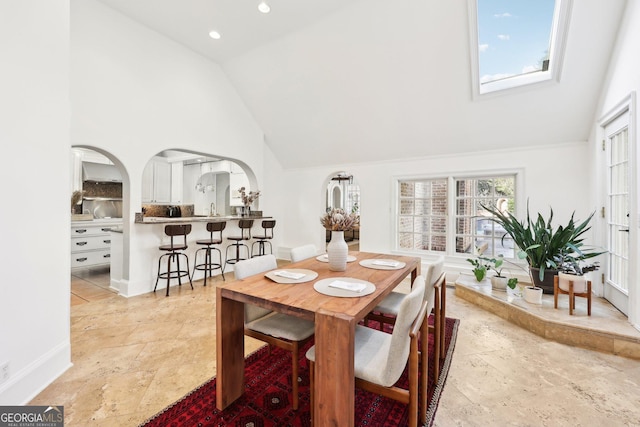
516 42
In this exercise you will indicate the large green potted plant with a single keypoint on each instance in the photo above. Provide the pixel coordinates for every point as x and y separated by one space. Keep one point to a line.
542 245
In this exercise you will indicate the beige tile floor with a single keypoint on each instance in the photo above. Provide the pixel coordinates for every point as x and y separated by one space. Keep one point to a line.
133 357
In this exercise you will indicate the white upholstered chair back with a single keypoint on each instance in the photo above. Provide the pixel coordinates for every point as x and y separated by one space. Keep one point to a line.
303 252
400 339
249 267
434 270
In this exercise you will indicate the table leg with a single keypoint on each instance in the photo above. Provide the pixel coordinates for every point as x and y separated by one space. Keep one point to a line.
229 350
334 401
415 273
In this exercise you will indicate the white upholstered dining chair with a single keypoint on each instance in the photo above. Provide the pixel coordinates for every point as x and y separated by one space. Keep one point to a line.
388 308
303 252
380 358
278 329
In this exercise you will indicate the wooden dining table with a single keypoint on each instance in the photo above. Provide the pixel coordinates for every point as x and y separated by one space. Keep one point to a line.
335 321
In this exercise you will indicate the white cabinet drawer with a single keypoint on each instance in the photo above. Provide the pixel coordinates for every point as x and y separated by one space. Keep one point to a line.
91 230
87 259
90 242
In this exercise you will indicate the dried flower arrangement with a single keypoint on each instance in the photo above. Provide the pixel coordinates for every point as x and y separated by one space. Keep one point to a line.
247 199
339 220
76 198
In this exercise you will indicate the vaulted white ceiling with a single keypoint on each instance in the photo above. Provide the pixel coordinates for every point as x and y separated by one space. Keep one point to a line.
337 81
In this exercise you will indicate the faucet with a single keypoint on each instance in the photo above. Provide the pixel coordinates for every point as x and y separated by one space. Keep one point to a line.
212 210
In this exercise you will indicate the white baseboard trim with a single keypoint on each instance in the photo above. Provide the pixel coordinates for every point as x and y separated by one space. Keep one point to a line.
25 384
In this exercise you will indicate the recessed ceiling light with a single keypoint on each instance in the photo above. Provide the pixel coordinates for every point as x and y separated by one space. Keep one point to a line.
264 7
214 35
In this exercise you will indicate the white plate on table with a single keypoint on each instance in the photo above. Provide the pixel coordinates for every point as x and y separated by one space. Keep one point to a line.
382 264
324 287
325 258
282 275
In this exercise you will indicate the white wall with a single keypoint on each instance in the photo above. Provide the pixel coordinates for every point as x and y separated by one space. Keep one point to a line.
34 133
622 81
135 93
551 179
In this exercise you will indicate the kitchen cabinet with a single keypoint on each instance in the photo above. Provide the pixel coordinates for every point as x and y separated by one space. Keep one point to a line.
156 182
220 166
91 243
177 177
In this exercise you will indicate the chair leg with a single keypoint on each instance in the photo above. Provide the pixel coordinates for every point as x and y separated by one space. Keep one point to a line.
177 256
169 258
158 275
413 384
436 337
294 375
221 263
207 265
186 259
311 387
443 305
424 370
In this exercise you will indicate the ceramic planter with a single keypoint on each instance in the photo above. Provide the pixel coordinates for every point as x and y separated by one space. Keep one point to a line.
579 282
499 283
533 294
547 283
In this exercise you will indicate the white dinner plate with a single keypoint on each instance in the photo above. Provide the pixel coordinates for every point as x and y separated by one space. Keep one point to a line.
382 264
325 258
322 286
309 275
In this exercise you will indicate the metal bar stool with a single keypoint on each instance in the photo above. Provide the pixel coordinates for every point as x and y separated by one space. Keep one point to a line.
245 234
173 250
208 266
262 239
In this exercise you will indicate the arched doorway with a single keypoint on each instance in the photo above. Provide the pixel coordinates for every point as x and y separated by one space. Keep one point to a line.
343 192
99 190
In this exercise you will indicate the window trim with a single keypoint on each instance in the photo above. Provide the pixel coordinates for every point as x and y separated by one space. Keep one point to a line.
519 198
557 45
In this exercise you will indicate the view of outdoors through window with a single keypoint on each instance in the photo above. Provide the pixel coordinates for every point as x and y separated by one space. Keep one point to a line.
422 222
475 232
514 37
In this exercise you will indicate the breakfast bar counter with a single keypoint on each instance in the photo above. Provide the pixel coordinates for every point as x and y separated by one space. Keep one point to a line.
191 219
149 234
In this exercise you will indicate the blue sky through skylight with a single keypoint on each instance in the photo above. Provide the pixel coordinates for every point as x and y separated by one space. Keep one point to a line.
513 36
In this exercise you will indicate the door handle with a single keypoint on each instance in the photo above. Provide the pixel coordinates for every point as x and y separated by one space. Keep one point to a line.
624 230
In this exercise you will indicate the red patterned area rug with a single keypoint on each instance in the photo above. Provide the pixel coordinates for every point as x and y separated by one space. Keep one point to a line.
266 399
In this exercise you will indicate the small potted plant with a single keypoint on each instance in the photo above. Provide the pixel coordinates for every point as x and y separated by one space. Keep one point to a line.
571 268
479 268
499 281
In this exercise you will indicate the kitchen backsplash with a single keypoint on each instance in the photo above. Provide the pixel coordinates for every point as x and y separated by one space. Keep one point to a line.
112 190
161 210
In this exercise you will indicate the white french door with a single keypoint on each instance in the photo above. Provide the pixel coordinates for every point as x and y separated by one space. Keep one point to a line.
616 287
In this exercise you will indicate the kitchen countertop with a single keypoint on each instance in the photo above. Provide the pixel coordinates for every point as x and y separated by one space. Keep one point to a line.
189 219
98 221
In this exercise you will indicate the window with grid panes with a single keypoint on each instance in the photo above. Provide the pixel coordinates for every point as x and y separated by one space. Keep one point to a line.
474 231
422 220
